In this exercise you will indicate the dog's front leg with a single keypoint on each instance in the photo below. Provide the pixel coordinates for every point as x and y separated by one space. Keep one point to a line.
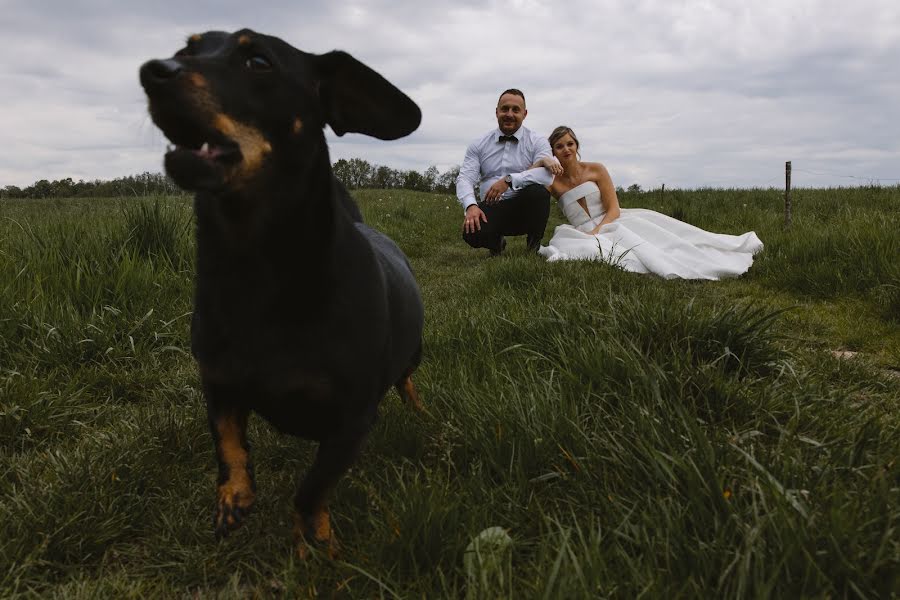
312 523
236 486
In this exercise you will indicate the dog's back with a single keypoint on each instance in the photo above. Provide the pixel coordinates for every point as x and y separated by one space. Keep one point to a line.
403 299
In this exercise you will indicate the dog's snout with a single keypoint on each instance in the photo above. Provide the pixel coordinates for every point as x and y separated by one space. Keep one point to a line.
159 71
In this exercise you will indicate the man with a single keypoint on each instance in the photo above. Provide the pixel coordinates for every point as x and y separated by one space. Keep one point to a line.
514 200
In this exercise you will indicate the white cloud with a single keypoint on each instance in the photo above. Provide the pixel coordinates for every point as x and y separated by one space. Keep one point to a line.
692 93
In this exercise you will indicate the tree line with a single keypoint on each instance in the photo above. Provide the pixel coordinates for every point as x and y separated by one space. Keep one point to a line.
354 173
145 184
357 173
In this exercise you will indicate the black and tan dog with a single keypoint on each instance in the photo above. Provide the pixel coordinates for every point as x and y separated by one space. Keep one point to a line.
302 313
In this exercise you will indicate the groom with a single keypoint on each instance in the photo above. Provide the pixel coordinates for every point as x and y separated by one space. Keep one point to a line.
514 200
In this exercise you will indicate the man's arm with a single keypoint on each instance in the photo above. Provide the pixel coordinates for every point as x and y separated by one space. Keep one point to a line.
539 175
469 176
543 174
541 149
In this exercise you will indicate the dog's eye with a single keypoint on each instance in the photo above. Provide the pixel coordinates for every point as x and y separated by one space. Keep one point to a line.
258 63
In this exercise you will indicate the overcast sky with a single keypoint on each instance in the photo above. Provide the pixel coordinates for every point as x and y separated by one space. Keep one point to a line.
688 93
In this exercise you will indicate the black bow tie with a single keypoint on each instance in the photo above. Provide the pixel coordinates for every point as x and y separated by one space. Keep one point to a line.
508 138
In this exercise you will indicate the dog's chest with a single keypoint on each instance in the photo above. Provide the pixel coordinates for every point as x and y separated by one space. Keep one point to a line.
298 401
302 403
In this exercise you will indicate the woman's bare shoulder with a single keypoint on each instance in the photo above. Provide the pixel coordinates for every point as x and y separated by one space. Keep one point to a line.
595 167
597 172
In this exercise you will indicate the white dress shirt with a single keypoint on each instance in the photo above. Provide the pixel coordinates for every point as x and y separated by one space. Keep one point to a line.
488 159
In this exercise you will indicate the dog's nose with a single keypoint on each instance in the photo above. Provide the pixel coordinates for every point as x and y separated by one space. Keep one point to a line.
159 71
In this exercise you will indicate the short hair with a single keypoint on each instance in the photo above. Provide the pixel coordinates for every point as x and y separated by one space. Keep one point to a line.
561 131
514 92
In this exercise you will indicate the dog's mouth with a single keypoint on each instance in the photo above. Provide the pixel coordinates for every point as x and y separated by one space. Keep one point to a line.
225 153
200 160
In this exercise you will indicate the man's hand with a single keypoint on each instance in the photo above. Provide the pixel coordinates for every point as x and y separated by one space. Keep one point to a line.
474 217
495 191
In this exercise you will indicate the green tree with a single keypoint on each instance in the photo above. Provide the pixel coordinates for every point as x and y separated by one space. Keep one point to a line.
412 180
11 191
385 178
429 179
447 181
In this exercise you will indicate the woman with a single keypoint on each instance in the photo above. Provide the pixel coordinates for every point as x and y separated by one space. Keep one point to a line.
638 240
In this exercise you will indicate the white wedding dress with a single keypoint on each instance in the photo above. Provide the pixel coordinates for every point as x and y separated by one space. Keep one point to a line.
645 241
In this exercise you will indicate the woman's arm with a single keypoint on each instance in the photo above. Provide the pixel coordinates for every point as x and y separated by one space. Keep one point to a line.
608 197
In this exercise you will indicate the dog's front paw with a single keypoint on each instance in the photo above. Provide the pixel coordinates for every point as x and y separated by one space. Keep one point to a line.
314 531
234 505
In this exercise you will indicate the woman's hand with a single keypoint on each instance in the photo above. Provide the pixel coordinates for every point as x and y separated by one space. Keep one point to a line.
551 164
608 218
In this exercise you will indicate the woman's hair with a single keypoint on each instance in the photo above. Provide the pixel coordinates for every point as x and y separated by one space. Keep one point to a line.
561 131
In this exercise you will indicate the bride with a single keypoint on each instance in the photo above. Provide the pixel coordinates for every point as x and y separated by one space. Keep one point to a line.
638 240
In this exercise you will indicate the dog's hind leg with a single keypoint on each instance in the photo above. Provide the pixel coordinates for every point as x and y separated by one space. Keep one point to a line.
312 524
407 390
236 486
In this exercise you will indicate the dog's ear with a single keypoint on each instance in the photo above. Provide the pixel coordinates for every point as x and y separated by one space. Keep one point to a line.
356 99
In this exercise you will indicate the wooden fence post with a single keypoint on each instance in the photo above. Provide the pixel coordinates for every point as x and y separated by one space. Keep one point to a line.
788 208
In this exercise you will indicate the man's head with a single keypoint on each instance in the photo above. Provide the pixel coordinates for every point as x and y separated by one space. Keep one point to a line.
511 111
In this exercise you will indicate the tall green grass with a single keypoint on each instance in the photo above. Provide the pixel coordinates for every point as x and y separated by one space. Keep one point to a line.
634 436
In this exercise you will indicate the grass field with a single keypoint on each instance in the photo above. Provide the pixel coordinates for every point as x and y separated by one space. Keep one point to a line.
634 436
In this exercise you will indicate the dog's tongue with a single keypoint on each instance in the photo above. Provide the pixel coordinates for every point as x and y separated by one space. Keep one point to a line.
207 151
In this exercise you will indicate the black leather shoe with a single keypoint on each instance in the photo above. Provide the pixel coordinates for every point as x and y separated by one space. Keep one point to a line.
499 251
532 243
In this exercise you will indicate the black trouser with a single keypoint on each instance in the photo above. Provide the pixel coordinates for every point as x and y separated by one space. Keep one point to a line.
525 213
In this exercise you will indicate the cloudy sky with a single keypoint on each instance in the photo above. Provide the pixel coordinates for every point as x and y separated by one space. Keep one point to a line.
688 93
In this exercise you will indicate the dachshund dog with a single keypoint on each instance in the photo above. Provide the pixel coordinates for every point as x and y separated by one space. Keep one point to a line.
302 313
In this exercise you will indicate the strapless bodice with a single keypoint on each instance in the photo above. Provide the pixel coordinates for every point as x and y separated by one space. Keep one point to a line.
581 219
